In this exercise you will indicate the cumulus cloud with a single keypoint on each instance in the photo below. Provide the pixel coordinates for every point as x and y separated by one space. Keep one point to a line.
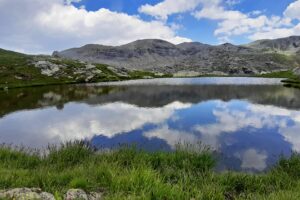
43 26
277 27
72 1
255 26
230 121
230 23
80 121
253 159
168 7
254 116
172 137
216 12
293 10
232 2
275 33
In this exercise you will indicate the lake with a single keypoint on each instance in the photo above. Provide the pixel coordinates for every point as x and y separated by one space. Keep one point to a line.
248 122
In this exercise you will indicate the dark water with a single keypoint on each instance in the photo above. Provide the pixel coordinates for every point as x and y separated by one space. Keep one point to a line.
249 122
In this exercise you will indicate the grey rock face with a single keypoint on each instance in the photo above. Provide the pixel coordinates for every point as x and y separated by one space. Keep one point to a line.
289 45
38 194
47 68
55 67
75 194
164 57
26 193
297 71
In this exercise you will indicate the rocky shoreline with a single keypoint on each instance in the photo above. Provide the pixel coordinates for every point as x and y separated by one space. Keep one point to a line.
38 194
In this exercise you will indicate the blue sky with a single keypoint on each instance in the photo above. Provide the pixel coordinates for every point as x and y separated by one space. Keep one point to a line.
197 30
37 26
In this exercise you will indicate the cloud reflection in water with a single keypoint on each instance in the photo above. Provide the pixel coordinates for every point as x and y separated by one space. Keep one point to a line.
239 129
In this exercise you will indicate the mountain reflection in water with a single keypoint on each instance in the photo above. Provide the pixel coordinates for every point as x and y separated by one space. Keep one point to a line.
249 125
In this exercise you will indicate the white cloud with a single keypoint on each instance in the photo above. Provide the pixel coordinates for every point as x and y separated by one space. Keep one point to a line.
253 25
232 2
235 23
291 135
172 137
217 12
231 23
43 26
293 10
273 33
256 12
168 7
72 1
230 121
253 159
80 121
280 26
255 116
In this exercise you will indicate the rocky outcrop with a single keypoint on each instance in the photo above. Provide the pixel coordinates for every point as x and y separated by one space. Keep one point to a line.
297 71
289 45
26 193
70 70
48 68
37 194
74 194
164 57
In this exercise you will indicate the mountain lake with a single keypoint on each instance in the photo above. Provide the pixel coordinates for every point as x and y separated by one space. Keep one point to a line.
248 122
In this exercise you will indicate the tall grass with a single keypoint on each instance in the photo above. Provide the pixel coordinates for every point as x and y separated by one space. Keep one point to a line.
130 173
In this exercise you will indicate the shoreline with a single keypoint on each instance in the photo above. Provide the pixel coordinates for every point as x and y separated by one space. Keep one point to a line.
129 173
288 81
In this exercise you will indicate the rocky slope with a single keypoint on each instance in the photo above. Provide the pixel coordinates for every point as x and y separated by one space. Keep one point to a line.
19 70
193 58
289 45
38 194
147 59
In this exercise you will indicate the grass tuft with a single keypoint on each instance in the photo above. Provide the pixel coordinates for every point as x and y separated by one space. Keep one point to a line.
131 173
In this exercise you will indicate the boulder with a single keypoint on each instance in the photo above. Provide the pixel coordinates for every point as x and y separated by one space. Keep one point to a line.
297 71
74 194
26 193
47 68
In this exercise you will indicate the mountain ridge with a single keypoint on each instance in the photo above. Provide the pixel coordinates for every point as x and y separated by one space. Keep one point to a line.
162 56
288 44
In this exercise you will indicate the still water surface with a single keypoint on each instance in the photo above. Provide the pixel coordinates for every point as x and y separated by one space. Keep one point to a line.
250 122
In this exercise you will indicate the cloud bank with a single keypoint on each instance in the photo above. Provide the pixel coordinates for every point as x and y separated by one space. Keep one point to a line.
35 26
230 22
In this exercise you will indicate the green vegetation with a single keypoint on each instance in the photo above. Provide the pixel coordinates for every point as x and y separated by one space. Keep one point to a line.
291 80
291 60
141 74
291 83
18 70
282 74
136 74
128 173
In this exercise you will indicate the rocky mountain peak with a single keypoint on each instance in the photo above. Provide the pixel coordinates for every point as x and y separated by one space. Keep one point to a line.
288 45
162 56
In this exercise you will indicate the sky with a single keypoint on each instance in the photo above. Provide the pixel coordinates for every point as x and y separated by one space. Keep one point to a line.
43 26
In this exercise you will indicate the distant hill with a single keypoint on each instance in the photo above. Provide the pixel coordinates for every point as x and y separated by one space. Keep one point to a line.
149 58
161 56
289 45
19 70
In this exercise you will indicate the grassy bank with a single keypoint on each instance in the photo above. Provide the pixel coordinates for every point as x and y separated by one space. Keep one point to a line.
132 174
282 74
19 70
291 80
